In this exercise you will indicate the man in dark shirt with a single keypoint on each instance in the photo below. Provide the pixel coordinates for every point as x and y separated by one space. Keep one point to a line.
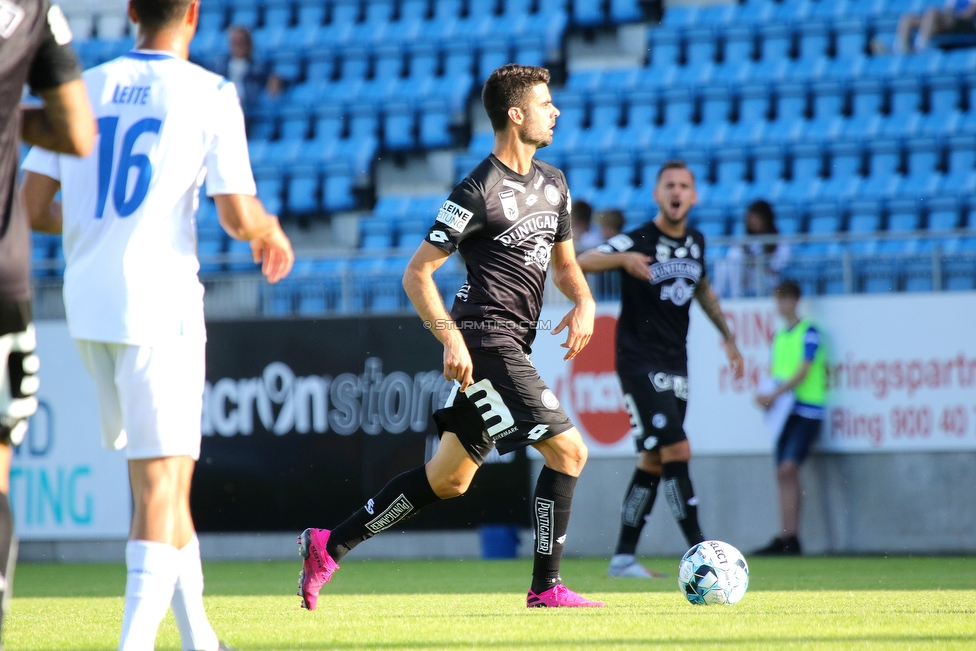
507 219
662 267
34 50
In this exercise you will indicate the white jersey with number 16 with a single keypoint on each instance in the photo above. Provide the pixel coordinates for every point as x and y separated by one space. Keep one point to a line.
164 125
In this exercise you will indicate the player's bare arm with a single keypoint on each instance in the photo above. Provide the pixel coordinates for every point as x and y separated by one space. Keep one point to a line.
37 195
636 264
709 303
419 284
568 277
244 218
64 124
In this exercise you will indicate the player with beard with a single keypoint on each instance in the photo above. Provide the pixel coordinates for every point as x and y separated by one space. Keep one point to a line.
507 219
662 267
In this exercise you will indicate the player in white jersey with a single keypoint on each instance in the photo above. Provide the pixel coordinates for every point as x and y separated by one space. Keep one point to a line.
133 301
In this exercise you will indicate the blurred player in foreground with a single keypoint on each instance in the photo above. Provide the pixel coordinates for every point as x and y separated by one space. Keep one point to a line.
34 49
796 408
662 267
508 218
133 301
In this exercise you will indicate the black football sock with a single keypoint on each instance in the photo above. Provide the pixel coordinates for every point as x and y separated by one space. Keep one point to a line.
6 561
637 506
550 516
397 502
682 500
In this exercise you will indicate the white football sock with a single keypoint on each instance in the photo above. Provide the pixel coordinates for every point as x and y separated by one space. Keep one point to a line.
196 634
152 569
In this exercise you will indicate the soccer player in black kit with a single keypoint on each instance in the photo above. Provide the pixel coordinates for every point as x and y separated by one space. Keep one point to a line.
662 267
508 219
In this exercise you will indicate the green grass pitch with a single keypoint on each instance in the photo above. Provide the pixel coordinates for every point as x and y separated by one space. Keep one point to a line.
800 603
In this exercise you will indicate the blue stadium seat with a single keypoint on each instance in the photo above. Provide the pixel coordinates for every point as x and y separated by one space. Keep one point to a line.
849 37
327 123
788 218
679 106
943 213
411 10
244 13
699 162
458 60
904 215
641 109
398 126
379 12
572 110
791 101
701 46
807 162
716 104
605 109
581 172
878 276
435 122
588 12
813 40
303 190
865 216
625 11
312 13
424 61
844 165
277 13
410 232
619 169
825 217
493 52
710 220
363 121
338 186
665 47
345 11
388 61
529 50
648 164
923 156
944 93
776 41
375 234
739 46
828 99
906 95
867 97
207 250
961 157
884 168
730 166
240 256
294 123
270 188
354 62
212 18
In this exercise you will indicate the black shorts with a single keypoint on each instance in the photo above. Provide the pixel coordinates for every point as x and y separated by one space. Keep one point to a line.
797 436
657 403
15 316
508 405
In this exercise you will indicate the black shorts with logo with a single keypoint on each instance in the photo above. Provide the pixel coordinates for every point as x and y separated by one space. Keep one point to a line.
657 403
508 405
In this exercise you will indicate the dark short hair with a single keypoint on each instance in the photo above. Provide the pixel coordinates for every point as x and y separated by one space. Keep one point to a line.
582 211
156 14
788 289
674 164
509 87
612 218
765 212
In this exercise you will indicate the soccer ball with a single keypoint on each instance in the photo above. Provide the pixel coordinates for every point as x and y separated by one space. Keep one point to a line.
713 572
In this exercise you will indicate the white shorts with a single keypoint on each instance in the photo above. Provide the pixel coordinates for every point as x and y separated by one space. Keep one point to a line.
150 397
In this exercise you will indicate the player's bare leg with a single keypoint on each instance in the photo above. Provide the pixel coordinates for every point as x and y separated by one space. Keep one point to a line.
565 456
790 495
163 557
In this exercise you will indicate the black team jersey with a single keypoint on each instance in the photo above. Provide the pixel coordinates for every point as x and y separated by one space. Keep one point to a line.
652 331
504 225
34 50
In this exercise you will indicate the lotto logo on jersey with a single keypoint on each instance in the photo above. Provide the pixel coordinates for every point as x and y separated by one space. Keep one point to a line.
454 216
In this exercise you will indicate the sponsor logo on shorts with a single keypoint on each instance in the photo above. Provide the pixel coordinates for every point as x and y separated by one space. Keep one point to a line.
659 421
454 216
395 512
552 195
667 382
543 525
537 432
549 400
369 507
650 443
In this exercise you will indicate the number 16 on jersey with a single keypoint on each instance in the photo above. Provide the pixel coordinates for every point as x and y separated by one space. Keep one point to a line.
125 203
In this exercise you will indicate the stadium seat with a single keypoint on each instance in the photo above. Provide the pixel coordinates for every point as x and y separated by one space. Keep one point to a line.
435 125
338 185
244 13
212 18
865 216
776 42
294 123
849 37
739 46
529 50
270 188
376 234
884 163
458 60
845 166
878 276
354 63
906 95
701 46
312 13
619 169
588 13
605 109
710 220
730 166
716 104
679 106
904 215
825 217
398 126
961 158
813 40
581 172
626 11
664 46
303 190
943 213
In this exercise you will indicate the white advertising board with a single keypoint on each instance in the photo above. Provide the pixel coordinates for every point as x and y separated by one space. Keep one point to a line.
63 485
902 376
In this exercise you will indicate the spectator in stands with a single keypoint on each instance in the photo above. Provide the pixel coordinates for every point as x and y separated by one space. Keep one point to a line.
250 77
957 16
611 223
582 218
794 403
753 269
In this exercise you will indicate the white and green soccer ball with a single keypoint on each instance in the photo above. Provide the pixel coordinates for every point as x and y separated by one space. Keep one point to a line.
713 572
